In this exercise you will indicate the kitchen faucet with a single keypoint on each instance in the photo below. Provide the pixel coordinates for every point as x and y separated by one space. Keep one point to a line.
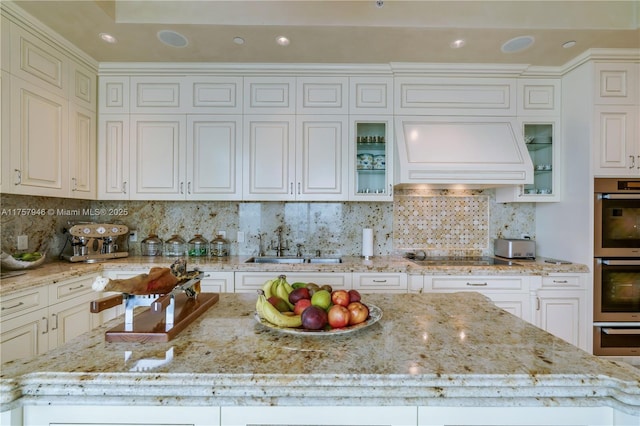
280 249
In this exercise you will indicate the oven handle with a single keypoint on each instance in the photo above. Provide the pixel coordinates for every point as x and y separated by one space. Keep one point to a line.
621 262
620 196
626 331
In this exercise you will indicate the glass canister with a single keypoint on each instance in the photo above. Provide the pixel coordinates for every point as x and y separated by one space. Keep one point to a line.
151 246
219 247
198 246
175 246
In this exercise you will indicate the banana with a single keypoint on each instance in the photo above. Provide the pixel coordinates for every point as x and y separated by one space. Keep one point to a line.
269 313
287 286
274 286
266 287
282 293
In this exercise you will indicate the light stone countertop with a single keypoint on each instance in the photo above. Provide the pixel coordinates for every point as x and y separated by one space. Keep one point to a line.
425 350
60 270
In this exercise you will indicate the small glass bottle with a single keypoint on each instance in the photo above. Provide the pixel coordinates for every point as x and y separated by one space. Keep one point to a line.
151 246
219 247
175 246
198 246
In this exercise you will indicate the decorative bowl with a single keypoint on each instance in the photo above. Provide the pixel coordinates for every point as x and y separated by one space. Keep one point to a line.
12 264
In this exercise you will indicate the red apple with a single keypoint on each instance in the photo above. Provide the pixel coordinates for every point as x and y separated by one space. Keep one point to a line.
354 296
301 305
358 312
338 316
340 297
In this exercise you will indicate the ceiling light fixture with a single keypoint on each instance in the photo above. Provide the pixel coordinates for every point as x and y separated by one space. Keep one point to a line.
238 40
517 44
282 41
457 44
379 3
108 38
568 44
172 38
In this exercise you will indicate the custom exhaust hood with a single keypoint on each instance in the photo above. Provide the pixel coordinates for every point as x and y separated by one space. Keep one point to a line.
472 152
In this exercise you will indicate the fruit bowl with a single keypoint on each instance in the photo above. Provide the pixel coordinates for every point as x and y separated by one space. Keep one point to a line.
375 314
12 264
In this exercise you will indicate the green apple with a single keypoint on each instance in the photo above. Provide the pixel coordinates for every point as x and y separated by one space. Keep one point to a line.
321 299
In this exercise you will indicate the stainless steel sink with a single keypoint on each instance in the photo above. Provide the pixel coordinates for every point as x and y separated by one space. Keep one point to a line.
275 259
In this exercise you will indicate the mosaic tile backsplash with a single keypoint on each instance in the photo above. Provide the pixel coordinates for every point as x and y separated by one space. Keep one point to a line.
440 222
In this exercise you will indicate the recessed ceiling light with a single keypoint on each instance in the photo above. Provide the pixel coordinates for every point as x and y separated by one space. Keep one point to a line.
457 44
108 38
238 40
282 41
568 44
172 38
517 44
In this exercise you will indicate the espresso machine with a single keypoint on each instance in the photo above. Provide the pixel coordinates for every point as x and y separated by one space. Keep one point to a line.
93 242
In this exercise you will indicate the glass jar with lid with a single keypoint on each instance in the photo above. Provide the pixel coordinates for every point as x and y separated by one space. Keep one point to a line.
151 246
219 247
175 246
198 246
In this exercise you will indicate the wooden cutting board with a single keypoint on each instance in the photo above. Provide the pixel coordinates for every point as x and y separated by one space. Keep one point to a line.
149 326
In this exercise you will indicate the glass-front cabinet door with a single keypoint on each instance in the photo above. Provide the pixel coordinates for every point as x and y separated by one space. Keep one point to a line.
541 139
371 159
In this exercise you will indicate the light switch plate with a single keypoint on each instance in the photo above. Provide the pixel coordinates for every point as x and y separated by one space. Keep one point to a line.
22 242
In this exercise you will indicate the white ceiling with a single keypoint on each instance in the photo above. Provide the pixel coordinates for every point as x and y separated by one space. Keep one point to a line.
341 31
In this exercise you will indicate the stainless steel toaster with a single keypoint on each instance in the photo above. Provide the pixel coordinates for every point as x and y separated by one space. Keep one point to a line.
514 249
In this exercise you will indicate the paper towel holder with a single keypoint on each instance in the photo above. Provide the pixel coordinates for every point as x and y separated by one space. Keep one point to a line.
367 243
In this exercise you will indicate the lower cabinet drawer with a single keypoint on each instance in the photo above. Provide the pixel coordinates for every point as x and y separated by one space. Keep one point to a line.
23 302
376 282
251 281
70 288
477 283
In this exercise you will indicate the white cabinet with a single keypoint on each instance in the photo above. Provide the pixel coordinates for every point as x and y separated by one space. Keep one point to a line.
249 282
377 282
113 157
455 96
542 138
157 95
562 308
113 95
269 157
371 158
214 94
157 157
538 97
617 144
214 157
617 83
314 415
322 95
82 152
269 95
37 320
371 95
510 293
217 282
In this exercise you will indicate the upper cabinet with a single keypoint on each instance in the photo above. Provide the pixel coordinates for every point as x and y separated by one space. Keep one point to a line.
371 157
48 120
322 95
616 120
455 96
371 95
538 97
269 95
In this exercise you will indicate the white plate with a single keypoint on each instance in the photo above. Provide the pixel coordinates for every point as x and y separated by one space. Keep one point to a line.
375 314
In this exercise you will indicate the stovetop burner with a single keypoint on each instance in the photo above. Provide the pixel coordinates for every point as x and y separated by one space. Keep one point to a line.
463 261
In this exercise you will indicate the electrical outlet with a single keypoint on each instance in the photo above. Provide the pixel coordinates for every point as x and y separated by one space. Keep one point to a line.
22 242
223 234
133 235
240 237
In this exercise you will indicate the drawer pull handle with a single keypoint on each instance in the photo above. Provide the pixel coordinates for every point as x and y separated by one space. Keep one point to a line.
477 284
12 307
46 322
379 281
56 317
76 288
561 281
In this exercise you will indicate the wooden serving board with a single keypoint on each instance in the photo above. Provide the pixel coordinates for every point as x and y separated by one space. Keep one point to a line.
149 326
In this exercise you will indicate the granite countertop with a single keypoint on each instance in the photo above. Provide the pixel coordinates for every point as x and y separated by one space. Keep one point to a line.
425 350
59 270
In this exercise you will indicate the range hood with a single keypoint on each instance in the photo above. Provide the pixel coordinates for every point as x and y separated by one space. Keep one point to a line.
472 152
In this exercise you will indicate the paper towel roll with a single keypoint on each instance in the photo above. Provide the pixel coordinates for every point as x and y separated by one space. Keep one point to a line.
367 242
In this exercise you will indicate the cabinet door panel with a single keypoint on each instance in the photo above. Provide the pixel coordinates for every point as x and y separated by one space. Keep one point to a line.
214 157
617 149
70 319
39 140
113 157
269 95
158 157
24 336
82 153
321 158
269 153
559 314
322 95
114 95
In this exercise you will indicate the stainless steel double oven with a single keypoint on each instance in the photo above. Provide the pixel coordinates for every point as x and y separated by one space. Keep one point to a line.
617 267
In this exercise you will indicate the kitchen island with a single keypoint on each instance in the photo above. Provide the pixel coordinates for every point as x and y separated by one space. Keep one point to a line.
427 361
